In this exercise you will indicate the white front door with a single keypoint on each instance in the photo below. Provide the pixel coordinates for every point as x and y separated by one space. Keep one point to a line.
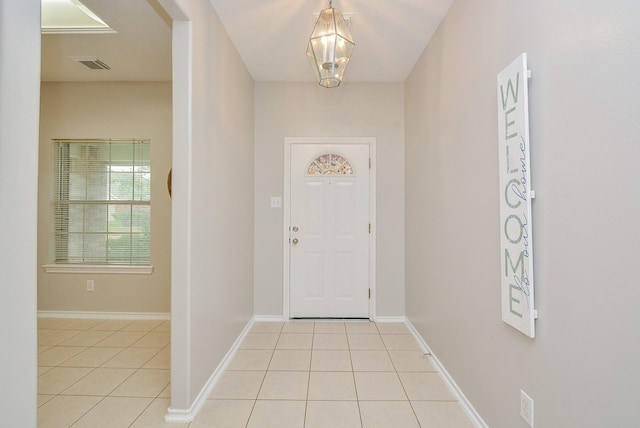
329 230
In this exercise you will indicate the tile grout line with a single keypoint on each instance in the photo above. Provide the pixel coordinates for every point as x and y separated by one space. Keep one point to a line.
355 385
395 368
88 410
263 378
150 403
306 403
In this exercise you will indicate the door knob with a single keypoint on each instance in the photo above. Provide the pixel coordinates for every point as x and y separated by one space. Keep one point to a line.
295 228
295 241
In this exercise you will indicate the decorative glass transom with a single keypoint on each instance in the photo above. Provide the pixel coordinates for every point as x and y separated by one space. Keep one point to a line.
330 164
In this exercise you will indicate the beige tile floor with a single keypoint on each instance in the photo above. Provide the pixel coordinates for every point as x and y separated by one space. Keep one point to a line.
114 373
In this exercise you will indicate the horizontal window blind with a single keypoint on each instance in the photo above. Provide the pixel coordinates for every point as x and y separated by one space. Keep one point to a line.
102 202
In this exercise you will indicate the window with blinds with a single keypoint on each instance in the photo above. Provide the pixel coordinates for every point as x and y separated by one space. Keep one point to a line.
101 202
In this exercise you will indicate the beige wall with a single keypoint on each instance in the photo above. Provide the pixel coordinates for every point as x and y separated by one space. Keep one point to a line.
308 110
582 368
108 110
19 102
212 217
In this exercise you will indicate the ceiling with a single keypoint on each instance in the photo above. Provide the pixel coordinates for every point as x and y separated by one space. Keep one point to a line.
389 37
139 50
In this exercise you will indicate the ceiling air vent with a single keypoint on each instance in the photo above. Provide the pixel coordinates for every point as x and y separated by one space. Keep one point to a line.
91 62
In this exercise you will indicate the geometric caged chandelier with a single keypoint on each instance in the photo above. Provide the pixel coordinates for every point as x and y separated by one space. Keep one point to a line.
330 47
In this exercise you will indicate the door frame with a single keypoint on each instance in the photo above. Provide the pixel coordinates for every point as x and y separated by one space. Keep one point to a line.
286 284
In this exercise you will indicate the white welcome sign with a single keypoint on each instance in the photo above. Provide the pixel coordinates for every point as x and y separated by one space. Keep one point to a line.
516 254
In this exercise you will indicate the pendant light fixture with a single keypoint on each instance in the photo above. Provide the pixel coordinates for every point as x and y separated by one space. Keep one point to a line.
330 47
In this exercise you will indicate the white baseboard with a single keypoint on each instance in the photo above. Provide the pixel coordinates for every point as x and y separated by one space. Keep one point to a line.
389 319
269 318
448 380
185 416
105 315
279 318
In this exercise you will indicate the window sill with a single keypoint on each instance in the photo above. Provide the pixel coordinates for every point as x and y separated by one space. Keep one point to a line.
111 269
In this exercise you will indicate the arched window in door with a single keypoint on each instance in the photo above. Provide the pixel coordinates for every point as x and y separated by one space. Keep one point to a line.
330 164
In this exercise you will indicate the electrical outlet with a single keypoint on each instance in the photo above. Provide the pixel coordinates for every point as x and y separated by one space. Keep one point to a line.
526 408
90 284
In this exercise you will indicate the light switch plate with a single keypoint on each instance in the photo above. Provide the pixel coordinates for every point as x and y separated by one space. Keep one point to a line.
276 202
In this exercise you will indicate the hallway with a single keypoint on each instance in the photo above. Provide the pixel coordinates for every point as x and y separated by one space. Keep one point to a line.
95 373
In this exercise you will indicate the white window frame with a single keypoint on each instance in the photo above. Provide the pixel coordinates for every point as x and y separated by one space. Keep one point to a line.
124 268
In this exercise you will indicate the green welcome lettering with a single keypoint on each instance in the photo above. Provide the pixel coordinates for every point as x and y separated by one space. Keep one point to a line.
507 193
513 299
514 92
511 171
507 124
520 228
508 262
